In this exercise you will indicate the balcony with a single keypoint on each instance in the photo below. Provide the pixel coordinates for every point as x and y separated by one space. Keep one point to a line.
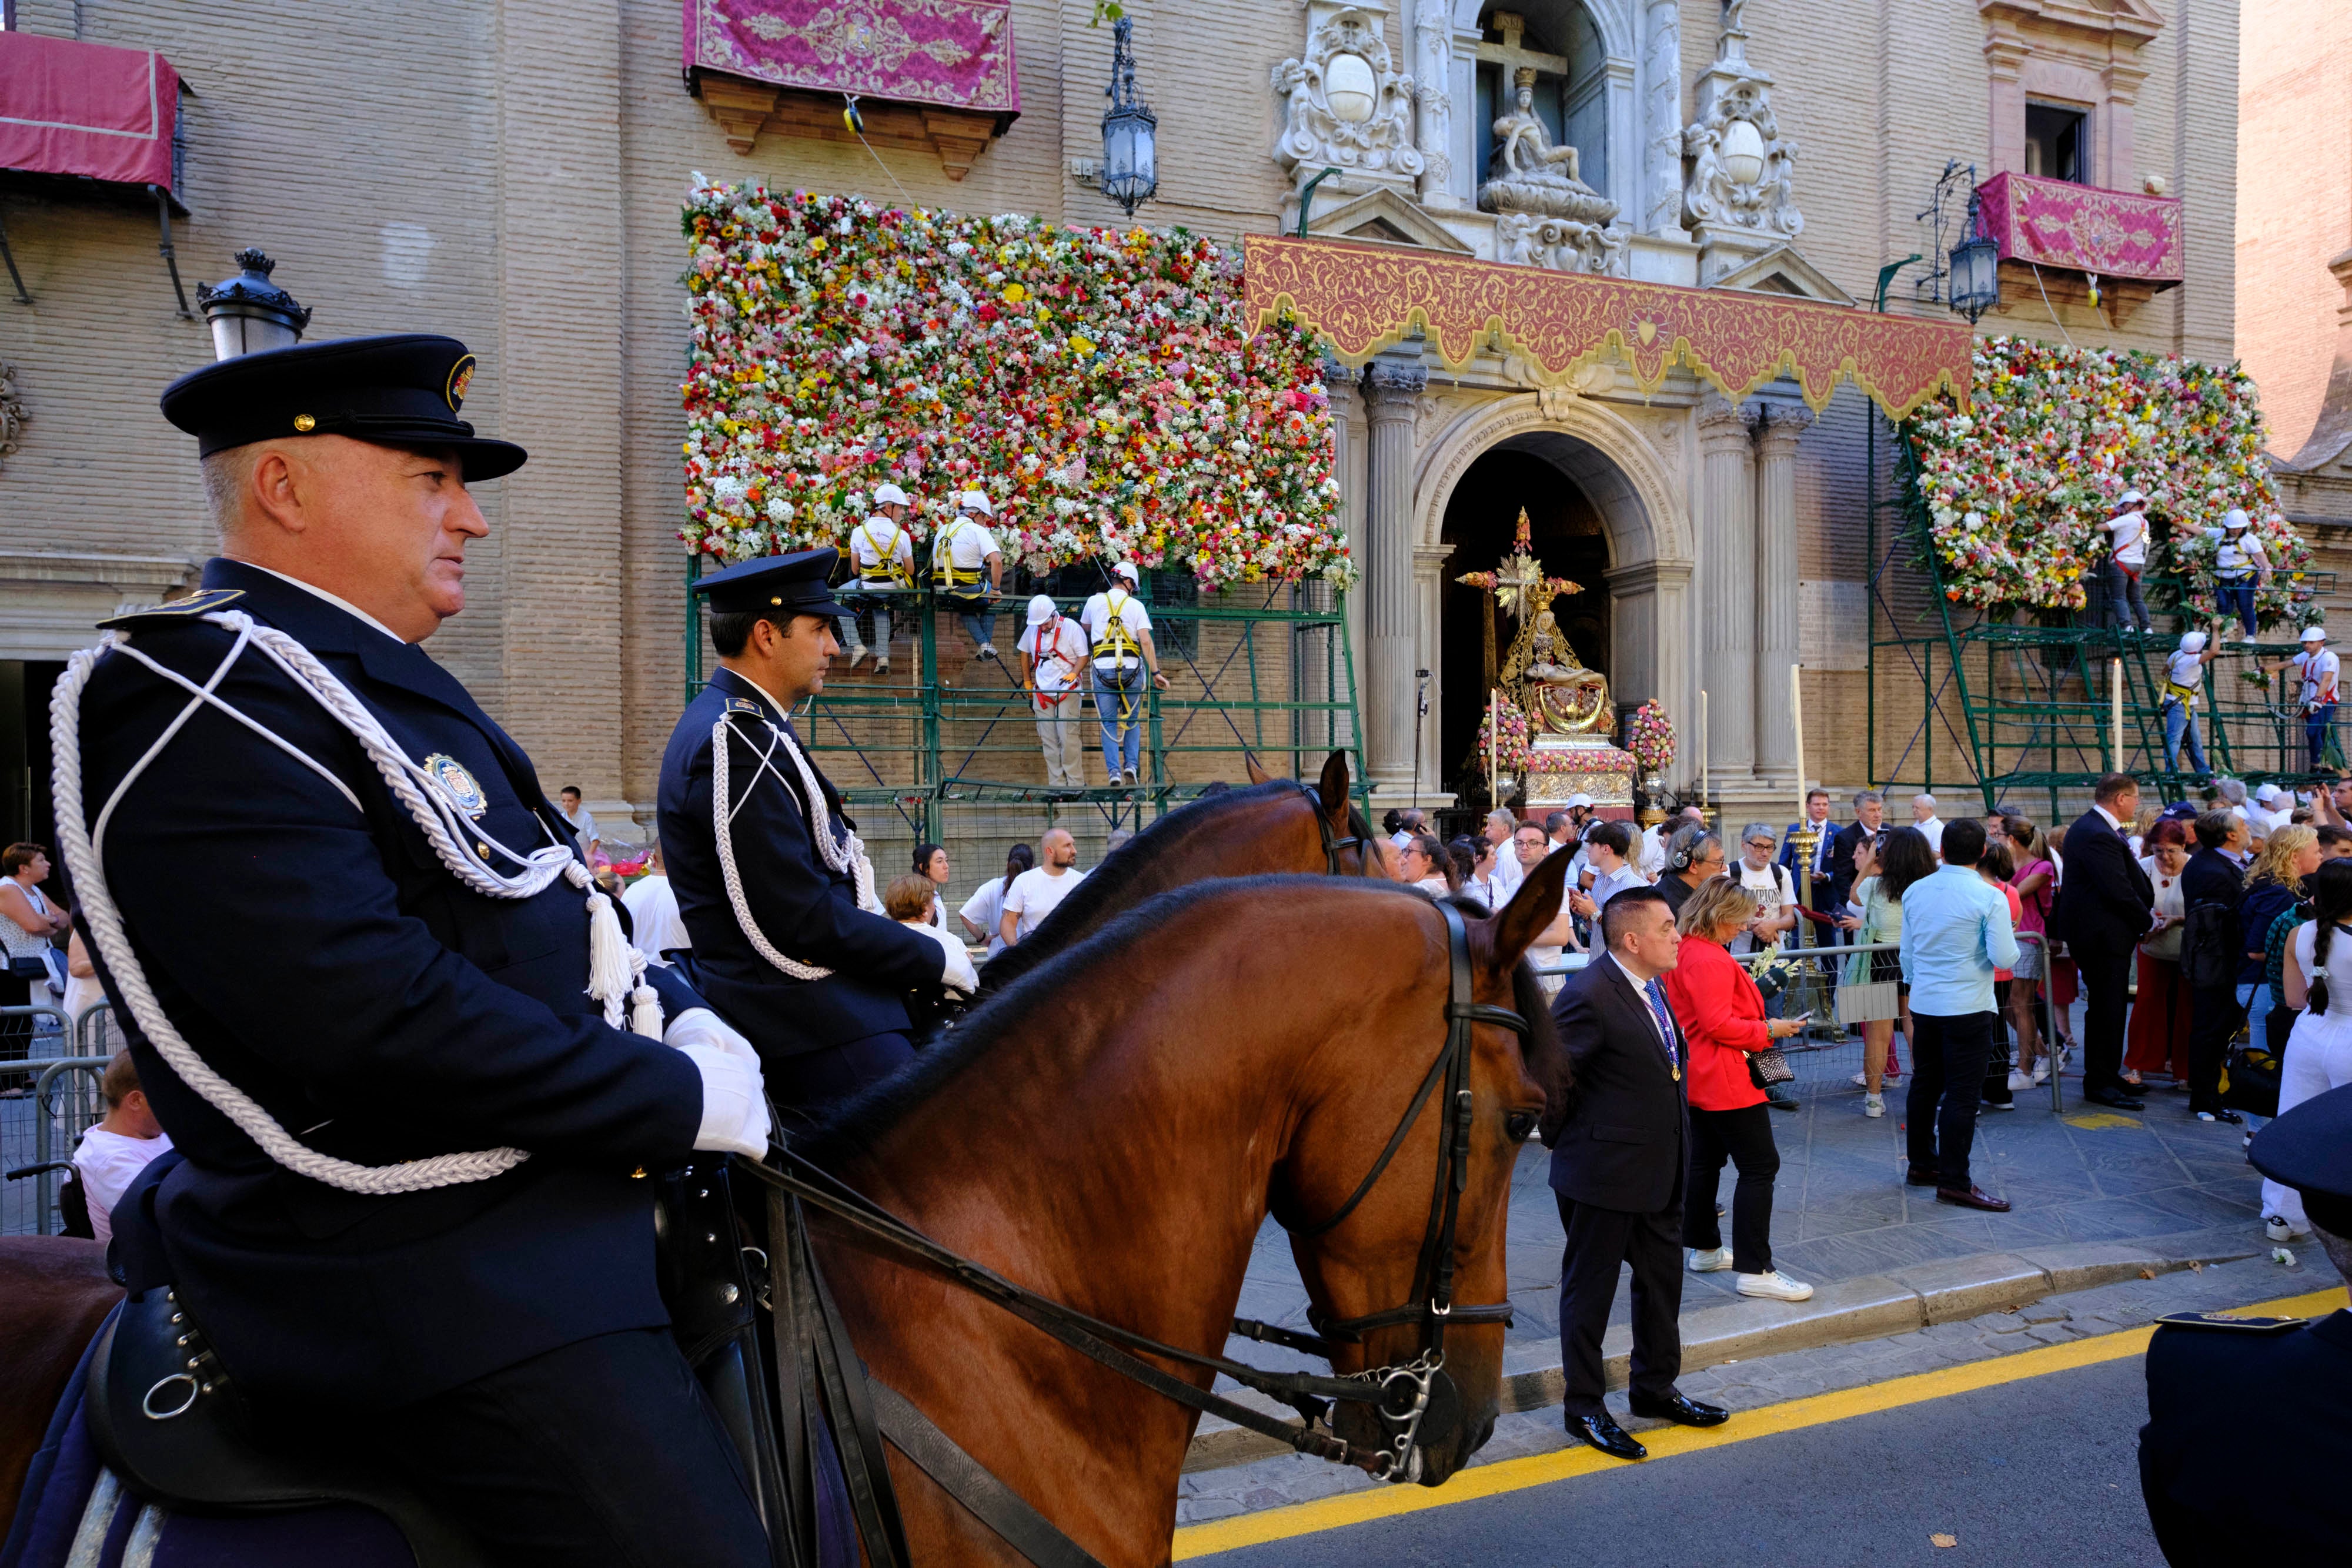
2064 240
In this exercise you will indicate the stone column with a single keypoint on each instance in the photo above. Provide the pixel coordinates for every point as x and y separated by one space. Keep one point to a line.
1775 583
1433 56
1661 118
1392 387
1726 573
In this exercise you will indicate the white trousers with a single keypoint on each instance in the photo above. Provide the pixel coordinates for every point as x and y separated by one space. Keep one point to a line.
2318 1058
1057 736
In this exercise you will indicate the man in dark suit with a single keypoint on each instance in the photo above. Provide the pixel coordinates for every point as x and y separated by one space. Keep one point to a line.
2211 1380
1869 815
410 1132
2105 904
1619 1141
1817 819
2211 887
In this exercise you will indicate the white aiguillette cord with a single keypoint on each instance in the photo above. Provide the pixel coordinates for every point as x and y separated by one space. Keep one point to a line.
849 859
615 971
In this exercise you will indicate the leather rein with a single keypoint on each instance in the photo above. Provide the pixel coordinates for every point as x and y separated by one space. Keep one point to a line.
1399 1395
1332 842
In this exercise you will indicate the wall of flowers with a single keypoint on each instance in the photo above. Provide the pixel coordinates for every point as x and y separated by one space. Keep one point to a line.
1101 387
2015 485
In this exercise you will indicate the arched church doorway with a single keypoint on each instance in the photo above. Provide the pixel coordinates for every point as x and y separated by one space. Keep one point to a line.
1567 535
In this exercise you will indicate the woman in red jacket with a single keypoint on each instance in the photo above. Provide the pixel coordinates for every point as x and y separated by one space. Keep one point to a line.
1722 1015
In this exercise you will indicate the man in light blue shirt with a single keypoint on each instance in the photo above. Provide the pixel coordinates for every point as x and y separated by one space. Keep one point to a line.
1956 933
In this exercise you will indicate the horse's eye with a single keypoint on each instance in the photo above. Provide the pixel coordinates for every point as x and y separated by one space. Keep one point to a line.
1520 1124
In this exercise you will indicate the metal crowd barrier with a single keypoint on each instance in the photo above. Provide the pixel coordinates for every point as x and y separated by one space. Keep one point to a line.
1831 1039
44 1110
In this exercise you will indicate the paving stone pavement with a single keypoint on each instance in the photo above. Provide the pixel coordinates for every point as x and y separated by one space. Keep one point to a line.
1770 1380
1841 1212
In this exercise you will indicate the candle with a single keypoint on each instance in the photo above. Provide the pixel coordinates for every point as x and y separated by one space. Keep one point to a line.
1706 784
1797 718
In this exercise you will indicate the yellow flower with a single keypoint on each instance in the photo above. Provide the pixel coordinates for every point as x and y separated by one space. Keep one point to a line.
1014 293
1084 345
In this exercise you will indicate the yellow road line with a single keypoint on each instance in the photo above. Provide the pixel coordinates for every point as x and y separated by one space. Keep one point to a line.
1795 1415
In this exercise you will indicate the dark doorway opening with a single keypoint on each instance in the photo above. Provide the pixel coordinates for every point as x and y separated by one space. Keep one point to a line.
1568 536
25 813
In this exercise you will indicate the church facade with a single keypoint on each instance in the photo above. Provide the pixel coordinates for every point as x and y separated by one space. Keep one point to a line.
512 173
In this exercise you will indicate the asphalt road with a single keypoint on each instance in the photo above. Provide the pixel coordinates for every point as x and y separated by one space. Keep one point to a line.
2038 1470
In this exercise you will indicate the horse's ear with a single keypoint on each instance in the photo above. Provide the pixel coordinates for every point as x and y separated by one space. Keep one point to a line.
1256 774
1333 788
1535 907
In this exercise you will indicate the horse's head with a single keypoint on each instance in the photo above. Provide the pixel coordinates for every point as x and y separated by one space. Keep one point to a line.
1332 835
1396 1184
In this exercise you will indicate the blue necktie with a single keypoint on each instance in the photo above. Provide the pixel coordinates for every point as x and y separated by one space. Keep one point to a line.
1657 1001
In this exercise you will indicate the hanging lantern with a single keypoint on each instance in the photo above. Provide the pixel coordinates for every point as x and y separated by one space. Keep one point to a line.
1131 172
248 313
1976 267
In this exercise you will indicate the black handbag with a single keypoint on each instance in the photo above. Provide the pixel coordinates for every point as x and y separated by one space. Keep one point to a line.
21 967
1768 1066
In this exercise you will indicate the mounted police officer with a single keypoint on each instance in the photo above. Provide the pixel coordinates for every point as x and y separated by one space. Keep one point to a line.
402 1050
790 940
2215 1382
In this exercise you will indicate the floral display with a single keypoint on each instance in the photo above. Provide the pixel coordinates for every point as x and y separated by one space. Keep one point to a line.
1505 727
1101 387
1650 737
2016 486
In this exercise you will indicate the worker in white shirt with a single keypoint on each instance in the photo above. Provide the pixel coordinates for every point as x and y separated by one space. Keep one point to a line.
1119 630
2239 567
2315 670
965 551
883 551
2184 682
2126 534
1053 653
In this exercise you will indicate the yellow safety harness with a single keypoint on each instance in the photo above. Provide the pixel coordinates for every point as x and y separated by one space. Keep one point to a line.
945 574
887 568
1116 642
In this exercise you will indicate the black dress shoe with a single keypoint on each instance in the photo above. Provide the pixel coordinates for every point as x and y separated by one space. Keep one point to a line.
1972 1197
1916 1177
1602 1432
1683 1410
2114 1098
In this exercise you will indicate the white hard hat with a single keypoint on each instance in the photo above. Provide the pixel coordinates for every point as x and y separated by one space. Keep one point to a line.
1126 568
2130 498
1580 799
2192 642
2235 517
887 493
2314 633
974 501
2267 793
1040 609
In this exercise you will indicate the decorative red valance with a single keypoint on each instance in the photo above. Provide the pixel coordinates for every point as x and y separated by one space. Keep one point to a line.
2057 223
103 113
1363 298
955 53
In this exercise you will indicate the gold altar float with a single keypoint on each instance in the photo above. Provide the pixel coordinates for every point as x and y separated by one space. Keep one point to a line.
1569 715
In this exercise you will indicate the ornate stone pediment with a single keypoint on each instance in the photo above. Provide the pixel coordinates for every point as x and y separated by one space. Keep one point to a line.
1738 195
1384 217
1781 270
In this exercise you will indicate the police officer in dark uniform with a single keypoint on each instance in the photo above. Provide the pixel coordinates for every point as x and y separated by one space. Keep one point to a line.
2220 1389
352 948
790 942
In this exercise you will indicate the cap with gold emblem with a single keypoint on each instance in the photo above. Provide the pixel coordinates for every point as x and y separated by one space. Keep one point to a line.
398 390
795 582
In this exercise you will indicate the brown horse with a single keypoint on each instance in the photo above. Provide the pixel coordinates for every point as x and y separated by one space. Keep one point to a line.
1271 825
1112 1131
57 1293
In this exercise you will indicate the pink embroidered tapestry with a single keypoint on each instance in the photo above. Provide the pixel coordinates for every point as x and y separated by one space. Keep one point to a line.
954 53
69 107
2057 223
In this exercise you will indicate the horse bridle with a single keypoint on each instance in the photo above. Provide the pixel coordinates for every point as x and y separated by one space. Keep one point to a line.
1332 842
1406 1391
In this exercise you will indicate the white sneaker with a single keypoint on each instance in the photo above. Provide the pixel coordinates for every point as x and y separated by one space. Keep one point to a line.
1873 1105
988 650
2019 1081
2278 1228
1711 1262
1862 1081
856 657
881 666
2041 1072
1775 1286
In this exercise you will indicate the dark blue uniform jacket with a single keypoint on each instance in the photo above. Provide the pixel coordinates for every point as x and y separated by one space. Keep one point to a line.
2244 1455
806 910
325 962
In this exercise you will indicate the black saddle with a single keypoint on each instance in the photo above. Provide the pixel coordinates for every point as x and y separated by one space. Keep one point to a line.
165 1418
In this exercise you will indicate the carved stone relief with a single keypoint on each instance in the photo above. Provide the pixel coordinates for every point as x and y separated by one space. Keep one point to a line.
1348 106
12 410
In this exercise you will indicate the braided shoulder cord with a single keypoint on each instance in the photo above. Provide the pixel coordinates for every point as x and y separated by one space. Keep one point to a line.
435 812
850 858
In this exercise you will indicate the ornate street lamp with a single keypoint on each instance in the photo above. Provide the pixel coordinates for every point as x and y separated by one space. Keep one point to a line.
1976 267
1130 171
248 313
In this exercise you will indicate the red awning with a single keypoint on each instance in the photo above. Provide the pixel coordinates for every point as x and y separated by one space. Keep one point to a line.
103 113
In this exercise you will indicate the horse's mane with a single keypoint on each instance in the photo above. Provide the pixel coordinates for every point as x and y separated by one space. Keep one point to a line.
855 1126
1108 882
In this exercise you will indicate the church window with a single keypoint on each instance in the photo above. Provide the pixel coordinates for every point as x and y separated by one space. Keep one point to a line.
2056 141
1559 42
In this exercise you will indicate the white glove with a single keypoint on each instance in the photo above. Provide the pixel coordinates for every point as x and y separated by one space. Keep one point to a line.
734 1099
958 975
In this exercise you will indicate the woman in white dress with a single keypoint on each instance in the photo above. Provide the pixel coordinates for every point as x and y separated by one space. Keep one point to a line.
2319 1051
27 922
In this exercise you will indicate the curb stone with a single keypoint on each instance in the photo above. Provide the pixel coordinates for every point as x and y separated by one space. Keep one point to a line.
1869 1307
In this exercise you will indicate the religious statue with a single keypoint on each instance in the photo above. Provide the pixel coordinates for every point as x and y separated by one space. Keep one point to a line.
1541 674
1531 175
